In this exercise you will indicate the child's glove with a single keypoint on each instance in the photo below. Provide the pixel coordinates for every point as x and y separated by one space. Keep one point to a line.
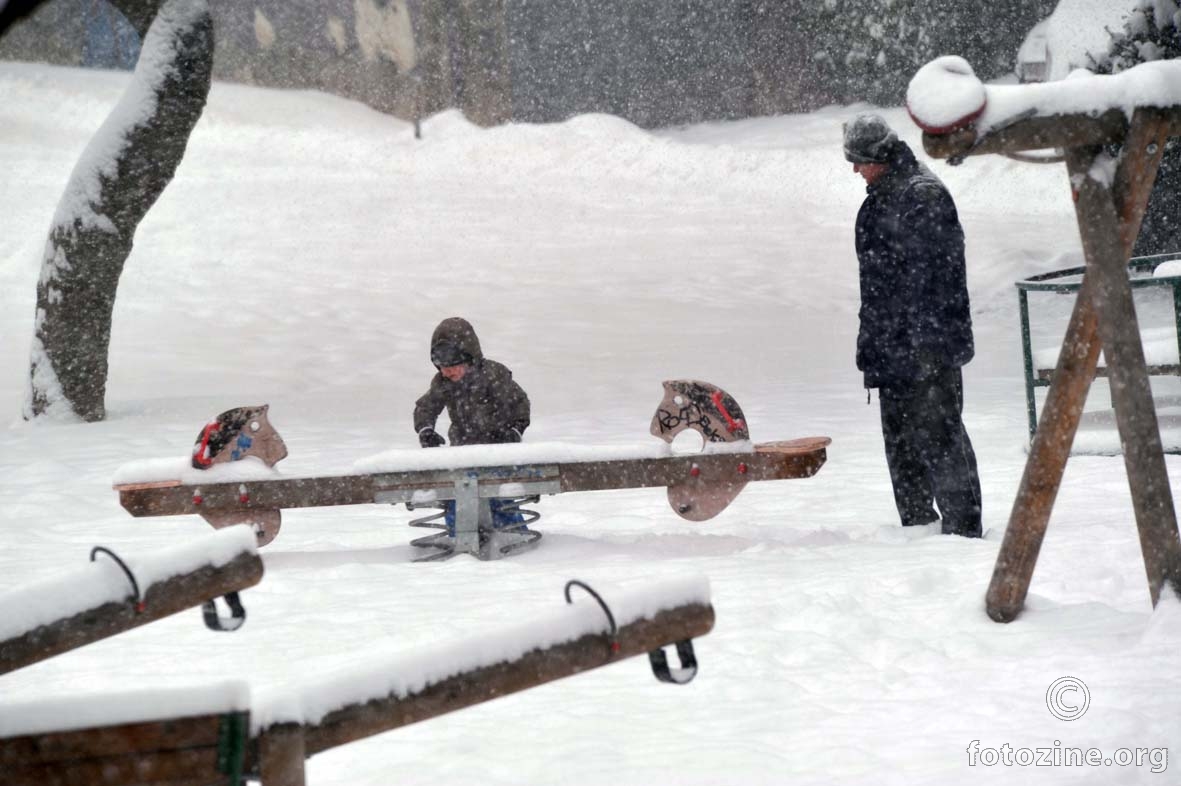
429 438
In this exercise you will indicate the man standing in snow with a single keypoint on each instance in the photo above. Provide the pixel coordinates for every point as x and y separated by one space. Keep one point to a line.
916 327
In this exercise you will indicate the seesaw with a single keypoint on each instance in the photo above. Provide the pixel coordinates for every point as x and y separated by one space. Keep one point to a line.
224 489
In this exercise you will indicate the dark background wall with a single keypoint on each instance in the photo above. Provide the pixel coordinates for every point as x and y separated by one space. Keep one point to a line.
654 62
658 62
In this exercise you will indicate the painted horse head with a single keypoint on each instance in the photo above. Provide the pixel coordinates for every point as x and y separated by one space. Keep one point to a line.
236 434
702 407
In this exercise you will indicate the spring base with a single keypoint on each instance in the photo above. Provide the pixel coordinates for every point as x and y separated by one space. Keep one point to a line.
501 529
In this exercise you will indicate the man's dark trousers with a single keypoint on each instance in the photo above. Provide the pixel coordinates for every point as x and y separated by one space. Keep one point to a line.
929 453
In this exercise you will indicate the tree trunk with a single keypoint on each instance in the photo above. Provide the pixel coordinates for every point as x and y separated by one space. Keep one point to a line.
120 175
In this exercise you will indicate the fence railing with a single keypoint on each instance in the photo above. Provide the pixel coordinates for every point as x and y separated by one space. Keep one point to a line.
1141 273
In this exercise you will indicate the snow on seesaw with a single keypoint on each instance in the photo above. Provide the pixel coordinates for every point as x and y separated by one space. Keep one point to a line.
301 258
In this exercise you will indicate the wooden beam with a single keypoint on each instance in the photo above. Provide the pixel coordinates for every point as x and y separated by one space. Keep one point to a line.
195 750
534 668
281 755
1116 211
1107 235
160 600
164 768
1136 175
1035 133
1046 463
769 461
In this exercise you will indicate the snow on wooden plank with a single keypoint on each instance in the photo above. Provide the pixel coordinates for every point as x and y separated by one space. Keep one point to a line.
145 472
649 615
61 613
162 470
519 454
594 470
93 711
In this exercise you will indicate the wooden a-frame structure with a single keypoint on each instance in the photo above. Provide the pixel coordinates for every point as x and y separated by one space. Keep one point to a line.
1110 196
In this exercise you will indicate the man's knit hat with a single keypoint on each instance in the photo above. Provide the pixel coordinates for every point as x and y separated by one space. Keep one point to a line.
869 139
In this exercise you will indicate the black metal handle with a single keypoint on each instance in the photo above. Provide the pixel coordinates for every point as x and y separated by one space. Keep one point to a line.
139 604
612 642
684 674
214 621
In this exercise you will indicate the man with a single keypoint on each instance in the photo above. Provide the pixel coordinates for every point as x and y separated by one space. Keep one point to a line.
916 328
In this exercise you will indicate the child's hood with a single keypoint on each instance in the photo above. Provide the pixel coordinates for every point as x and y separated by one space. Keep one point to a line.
458 331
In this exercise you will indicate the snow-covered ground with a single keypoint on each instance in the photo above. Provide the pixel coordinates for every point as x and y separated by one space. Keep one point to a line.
301 258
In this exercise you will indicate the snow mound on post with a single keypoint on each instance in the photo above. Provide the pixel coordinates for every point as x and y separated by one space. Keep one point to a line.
103 581
945 95
1155 84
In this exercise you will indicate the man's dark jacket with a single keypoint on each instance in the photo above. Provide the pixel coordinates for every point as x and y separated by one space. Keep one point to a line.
486 406
915 316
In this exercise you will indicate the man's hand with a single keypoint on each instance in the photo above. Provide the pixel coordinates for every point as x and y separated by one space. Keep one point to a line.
429 438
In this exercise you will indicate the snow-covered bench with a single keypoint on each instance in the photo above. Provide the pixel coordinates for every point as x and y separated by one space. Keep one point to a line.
1162 345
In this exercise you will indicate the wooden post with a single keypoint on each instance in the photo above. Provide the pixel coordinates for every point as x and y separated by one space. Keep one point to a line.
1107 240
1047 461
1109 219
281 755
160 600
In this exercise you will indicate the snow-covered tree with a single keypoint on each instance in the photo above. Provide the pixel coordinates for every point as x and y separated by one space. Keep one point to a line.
121 173
1153 32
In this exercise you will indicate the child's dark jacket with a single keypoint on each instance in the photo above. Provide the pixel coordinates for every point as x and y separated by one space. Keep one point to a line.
486 406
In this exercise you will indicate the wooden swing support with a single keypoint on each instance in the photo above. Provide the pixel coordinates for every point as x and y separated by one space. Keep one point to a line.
1110 199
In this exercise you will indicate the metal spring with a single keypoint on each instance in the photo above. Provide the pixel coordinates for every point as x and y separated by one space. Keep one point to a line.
432 521
510 506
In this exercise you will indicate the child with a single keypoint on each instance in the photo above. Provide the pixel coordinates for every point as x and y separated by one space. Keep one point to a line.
484 403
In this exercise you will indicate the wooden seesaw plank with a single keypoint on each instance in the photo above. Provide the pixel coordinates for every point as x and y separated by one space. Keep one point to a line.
178 737
198 750
800 458
534 668
91 620
138 741
388 693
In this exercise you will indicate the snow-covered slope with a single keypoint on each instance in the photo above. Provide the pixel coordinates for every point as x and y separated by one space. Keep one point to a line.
301 258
